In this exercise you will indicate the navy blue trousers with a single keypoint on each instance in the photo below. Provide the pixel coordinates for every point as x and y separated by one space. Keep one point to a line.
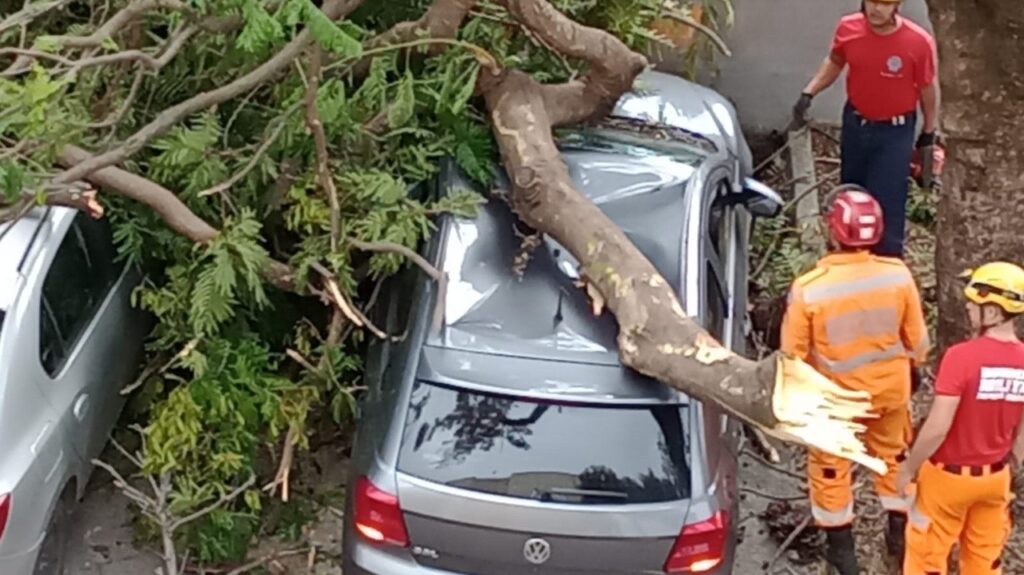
876 155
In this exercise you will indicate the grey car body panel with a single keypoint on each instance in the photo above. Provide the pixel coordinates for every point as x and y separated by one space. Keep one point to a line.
483 308
452 504
542 378
669 100
491 345
53 426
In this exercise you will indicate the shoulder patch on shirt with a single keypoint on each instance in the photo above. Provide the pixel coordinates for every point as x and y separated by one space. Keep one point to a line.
807 278
895 262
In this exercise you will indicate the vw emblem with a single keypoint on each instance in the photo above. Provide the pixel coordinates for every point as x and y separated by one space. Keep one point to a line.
537 551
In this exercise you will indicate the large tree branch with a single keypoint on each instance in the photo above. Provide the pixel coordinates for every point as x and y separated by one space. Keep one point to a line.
780 394
613 66
175 114
171 210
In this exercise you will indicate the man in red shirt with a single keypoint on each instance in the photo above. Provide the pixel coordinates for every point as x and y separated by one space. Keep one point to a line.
972 436
892 65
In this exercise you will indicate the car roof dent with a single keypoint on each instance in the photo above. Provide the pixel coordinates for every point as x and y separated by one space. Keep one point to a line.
543 314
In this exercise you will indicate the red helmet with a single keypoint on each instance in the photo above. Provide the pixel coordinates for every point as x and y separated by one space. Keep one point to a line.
854 217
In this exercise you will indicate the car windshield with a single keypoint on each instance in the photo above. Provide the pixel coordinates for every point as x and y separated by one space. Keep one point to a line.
638 140
547 451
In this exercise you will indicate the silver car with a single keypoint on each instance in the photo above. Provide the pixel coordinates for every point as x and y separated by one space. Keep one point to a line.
502 435
69 341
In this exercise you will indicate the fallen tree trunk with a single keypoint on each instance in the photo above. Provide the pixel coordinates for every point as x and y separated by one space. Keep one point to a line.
780 394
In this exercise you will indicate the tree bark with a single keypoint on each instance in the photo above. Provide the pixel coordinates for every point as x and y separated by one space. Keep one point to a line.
779 394
656 337
982 85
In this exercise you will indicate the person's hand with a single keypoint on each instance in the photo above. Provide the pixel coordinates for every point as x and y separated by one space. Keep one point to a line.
800 110
925 139
928 175
813 411
904 477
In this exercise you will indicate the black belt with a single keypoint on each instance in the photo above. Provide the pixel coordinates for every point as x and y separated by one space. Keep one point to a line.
897 120
972 470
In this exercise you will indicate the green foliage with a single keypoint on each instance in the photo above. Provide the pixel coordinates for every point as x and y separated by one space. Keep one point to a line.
233 387
329 35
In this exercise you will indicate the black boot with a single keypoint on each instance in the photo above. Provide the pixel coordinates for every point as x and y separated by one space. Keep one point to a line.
895 532
840 550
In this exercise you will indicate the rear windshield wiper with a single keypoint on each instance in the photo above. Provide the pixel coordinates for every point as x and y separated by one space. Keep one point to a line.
547 493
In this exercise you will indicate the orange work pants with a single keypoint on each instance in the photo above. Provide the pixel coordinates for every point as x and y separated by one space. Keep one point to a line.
830 477
974 510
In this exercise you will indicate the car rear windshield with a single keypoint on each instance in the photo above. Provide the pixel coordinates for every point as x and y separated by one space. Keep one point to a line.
547 451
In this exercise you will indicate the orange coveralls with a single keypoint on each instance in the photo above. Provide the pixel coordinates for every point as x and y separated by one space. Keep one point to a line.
857 319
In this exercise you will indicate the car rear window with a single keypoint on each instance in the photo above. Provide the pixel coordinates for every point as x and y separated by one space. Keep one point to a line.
547 451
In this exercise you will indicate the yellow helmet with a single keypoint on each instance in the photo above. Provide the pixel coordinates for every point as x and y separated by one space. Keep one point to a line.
999 283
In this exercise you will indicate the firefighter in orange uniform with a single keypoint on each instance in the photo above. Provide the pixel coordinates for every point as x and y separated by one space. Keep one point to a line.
857 319
972 436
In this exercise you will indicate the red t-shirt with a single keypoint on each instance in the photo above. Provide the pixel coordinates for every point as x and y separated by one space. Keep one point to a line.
988 376
887 72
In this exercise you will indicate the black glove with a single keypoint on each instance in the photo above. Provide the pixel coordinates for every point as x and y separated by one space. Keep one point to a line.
926 139
915 379
800 109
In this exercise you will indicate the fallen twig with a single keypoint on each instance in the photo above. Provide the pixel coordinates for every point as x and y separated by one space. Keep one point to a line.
284 468
118 115
147 372
789 541
773 467
323 169
775 155
226 185
213 506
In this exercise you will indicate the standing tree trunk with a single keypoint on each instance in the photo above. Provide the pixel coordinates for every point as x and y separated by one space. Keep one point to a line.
982 117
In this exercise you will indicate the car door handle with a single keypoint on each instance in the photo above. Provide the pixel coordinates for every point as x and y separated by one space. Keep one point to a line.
81 406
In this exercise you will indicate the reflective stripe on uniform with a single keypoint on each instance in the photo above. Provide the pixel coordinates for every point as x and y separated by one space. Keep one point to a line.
917 518
826 518
853 362
814 293
854 325
893 503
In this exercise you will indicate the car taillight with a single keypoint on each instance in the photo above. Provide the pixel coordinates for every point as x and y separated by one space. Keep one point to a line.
378 517
700 547
5 512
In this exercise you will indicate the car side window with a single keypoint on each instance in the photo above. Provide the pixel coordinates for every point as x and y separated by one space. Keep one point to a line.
715 308
716 255
77 282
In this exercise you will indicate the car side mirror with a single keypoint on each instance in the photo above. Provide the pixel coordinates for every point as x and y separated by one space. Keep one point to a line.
761 200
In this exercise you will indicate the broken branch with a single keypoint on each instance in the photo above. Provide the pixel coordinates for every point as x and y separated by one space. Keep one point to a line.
323 169
170 209
260 152
175 114
782 395
224 499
